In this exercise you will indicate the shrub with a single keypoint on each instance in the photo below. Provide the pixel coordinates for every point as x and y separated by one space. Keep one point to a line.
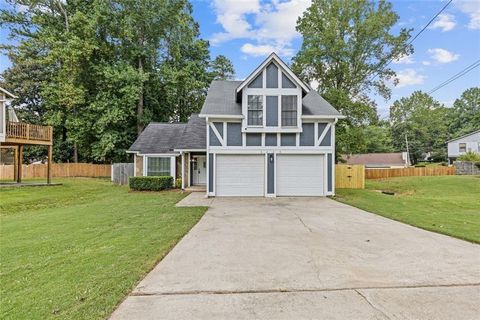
477 164
150 183
469 156
420 165
178 183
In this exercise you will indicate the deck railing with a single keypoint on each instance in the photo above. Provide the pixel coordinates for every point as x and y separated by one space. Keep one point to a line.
26 131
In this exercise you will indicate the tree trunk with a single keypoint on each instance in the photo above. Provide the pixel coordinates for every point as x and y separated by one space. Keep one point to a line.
140 100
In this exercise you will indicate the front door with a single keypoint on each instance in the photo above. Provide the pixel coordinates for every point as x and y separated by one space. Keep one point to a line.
199 170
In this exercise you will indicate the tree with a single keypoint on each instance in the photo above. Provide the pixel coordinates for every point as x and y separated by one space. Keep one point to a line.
346 49
421 121
465 114
348 44
98 70
378 138
222 68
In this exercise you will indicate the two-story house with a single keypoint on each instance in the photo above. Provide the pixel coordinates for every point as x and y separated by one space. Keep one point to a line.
268 135
461 145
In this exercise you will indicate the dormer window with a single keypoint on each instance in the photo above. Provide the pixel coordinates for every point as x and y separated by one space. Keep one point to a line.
289 111
255 110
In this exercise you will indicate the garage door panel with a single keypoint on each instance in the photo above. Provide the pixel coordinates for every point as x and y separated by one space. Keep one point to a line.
240 175
300 175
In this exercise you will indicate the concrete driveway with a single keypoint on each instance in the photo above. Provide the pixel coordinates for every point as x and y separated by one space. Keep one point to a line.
308 258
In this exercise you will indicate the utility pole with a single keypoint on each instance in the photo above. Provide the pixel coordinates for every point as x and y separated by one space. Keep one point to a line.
408 152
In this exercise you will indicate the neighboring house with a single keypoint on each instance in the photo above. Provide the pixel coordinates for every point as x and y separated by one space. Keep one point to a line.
269 135
379 160
463 144
15 135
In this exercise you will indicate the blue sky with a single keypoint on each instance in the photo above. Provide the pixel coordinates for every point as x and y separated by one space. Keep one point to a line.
247 30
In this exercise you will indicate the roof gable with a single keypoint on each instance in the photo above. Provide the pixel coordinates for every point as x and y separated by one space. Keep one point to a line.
7 93
283 67
464 136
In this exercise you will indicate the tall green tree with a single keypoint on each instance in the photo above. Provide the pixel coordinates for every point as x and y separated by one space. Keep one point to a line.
465 113
347 46
422 122
222 68
99 70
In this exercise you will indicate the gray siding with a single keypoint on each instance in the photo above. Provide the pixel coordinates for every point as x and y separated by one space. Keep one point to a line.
213 138
307 137
288 139
234 134
210 172
272 111
321 127
272 76
327 140
270 173
254 139
271 139
286 83
257 82
330 172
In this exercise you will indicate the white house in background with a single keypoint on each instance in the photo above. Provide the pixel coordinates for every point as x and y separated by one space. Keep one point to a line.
463 144
5 96
268 135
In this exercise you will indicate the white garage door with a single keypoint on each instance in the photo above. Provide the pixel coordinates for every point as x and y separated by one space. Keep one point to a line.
240 175
300 175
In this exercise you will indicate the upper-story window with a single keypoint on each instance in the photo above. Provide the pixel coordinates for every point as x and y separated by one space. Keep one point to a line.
255 110
462 147
289 111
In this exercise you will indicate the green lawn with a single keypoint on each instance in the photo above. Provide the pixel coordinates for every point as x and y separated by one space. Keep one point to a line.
446 204
75 251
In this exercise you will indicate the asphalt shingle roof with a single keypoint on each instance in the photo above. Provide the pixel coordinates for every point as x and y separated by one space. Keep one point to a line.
165 137
195 134
314 104
221 99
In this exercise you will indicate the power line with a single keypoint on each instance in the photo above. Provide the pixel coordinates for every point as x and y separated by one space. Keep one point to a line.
456 76
415 37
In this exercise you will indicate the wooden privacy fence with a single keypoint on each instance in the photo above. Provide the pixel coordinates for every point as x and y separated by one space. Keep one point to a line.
58 170
408 172
349 176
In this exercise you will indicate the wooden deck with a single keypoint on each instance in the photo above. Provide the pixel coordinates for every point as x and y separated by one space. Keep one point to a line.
19 133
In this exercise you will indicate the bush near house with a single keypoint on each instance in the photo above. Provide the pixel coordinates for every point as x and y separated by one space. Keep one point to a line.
158 183
470 156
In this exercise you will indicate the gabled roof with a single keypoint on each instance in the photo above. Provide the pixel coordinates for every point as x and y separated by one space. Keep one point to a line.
283 65
314 104
194 136
7 93
221 99
158 138
376 159
465 135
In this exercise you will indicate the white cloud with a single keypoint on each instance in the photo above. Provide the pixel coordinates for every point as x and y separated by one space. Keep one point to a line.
409 77
426 63
264 50
404 60
472 9
444 21
442 55
265 25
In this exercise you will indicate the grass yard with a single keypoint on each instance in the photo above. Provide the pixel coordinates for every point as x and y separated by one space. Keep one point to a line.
75 251
444 204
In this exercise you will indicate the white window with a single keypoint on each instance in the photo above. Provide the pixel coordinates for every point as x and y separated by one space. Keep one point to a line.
158 166
462 147
255 110
289 111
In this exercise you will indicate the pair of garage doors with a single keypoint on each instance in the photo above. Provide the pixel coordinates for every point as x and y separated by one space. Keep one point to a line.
245 175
